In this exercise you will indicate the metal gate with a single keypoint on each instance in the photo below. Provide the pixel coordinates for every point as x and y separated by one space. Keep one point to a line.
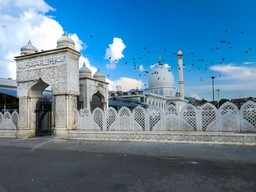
43 117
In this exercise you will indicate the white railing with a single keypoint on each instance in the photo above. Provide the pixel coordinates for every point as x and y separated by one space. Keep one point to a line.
228 118
9 121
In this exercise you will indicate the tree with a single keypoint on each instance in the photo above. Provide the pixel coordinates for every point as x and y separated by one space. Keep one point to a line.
223 101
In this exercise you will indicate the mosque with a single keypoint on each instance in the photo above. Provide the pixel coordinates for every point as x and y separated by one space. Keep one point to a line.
160 92
49 85
93 88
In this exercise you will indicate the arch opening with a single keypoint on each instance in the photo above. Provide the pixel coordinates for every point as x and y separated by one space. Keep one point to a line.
97 101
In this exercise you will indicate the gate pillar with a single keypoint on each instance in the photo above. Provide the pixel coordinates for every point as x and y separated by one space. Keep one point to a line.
64 114
27 117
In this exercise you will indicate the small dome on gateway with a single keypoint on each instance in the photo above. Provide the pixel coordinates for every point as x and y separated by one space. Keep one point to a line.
85 72
65 41
99 76
28 49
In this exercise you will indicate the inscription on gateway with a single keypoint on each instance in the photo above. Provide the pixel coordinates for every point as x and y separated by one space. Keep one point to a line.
41 63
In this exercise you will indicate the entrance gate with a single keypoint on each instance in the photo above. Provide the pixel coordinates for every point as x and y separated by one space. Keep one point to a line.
43 117
57 69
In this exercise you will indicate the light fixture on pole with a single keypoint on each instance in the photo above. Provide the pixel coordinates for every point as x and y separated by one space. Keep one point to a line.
212 77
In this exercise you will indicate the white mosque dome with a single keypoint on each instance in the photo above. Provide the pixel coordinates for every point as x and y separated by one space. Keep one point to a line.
28 49
85 72
65 41
161 76
99 76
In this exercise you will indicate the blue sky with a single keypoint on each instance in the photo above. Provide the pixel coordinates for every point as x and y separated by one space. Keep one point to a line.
217 38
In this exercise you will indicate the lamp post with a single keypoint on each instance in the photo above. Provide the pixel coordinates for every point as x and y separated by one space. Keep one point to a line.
213 88
218 103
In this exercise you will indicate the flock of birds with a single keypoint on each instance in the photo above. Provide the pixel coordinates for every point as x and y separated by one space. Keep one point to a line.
144 58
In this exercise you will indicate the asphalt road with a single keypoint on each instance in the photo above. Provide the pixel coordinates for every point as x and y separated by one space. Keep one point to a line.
49 164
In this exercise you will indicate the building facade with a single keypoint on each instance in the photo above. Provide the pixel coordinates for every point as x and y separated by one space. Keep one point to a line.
93 90
57 69
161 91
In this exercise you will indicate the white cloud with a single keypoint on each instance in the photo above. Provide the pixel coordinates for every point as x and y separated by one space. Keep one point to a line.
79 45
141 68
18 7
111 65
235 72
21 20
115 52
85 60
233 78
126 84
241 86
249 63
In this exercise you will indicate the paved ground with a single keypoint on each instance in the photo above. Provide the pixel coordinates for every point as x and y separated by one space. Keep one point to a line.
49 164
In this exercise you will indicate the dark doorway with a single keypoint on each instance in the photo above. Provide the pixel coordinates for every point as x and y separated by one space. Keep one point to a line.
96 102
43 117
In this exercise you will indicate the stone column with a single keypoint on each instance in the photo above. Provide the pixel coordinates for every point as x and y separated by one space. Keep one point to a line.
32 123
64 114
27 117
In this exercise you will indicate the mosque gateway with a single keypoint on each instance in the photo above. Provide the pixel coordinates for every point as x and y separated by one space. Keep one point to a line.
57 70
56 97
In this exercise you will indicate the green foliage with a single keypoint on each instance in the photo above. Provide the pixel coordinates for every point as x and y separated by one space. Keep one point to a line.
223 101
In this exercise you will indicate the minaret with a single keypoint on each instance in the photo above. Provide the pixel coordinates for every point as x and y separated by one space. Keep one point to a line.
181 79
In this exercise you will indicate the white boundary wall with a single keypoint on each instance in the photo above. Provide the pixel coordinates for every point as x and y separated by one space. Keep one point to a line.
8 124
205 124
206 118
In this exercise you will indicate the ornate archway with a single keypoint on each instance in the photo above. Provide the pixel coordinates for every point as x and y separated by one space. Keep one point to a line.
57 68
97 101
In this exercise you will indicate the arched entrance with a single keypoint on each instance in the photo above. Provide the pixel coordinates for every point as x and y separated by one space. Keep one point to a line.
40 118
43 117
59 69
97 101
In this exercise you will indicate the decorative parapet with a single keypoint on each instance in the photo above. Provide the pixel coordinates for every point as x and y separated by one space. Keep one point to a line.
207 118
9 121
8 124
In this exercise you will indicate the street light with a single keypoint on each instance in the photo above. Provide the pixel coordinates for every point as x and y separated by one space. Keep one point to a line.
218 103
213 88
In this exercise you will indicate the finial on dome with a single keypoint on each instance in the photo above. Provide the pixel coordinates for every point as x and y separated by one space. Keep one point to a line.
160 60
65 33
